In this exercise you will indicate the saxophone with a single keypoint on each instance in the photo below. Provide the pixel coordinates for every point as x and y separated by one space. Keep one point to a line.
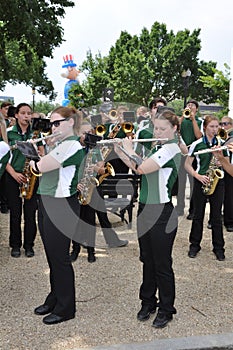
27 187
88 180
214 174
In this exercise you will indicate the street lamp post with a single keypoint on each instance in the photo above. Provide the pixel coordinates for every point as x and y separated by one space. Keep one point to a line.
186 75
33 97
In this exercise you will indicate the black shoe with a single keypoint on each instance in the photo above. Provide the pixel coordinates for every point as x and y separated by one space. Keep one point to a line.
91 255
29 252
15 252
145 312
43 310
74 255
229 228
220 256
192 253
4 209
54 319
120 243
189 217
161 320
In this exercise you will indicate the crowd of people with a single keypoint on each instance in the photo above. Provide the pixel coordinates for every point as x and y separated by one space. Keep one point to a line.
165 150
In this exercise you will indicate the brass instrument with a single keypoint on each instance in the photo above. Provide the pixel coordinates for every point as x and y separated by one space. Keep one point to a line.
186 113
210 150
89 181
27 187
100 130
127 127
223 133
214 174
109 170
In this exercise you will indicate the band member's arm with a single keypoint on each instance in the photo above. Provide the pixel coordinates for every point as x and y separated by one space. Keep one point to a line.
189 168
196 129
224 161
19 177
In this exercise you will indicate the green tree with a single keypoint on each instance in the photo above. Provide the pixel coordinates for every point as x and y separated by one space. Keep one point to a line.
219 83
29 32
44 107
140 67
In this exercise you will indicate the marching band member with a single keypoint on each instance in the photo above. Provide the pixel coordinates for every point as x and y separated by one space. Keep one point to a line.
190 131
205 163
59 213
156 218
16 176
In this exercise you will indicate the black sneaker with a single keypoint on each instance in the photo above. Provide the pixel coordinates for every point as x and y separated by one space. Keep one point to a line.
15 252
29 252
161 320
220 256
145 312
192 253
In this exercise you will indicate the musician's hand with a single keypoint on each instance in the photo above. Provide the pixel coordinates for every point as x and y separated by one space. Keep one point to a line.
19 177
230 146
127 144
80 187
204 179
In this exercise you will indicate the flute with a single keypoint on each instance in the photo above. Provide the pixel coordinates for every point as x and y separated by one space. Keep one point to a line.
209 150
33 141
109 141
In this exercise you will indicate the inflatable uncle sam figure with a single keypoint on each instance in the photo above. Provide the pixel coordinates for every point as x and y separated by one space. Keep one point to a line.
71 73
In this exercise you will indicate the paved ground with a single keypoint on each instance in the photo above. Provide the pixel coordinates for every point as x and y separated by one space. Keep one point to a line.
107 298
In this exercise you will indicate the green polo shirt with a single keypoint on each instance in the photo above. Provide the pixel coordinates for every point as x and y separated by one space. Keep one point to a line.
147 132
14 133
156 187
186 130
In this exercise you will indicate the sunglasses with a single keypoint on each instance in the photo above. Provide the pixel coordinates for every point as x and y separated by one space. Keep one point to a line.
225 123
56 123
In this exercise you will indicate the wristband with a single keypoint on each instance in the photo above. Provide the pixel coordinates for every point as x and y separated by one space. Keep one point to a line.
36 167
136 159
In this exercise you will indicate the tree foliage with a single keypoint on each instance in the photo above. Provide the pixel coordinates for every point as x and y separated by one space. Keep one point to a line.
29 31
140 67
219 83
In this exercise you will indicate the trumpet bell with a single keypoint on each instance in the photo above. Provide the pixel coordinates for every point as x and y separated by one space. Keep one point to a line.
222 133
186 113
127 127
100 130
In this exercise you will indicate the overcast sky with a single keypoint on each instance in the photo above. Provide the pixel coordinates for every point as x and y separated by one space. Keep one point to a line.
96 25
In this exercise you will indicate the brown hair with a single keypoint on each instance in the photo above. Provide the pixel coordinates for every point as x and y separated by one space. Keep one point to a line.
172 118
208 118
70 112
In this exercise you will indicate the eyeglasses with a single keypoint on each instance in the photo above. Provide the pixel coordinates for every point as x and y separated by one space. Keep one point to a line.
225 123
56 123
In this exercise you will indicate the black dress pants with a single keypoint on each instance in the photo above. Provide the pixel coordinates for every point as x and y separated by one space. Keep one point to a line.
58 218
18 206
215 201
157 227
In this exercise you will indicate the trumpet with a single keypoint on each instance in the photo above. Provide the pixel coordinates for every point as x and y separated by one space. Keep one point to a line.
223 133
127 127
100 130
110 141
186 113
